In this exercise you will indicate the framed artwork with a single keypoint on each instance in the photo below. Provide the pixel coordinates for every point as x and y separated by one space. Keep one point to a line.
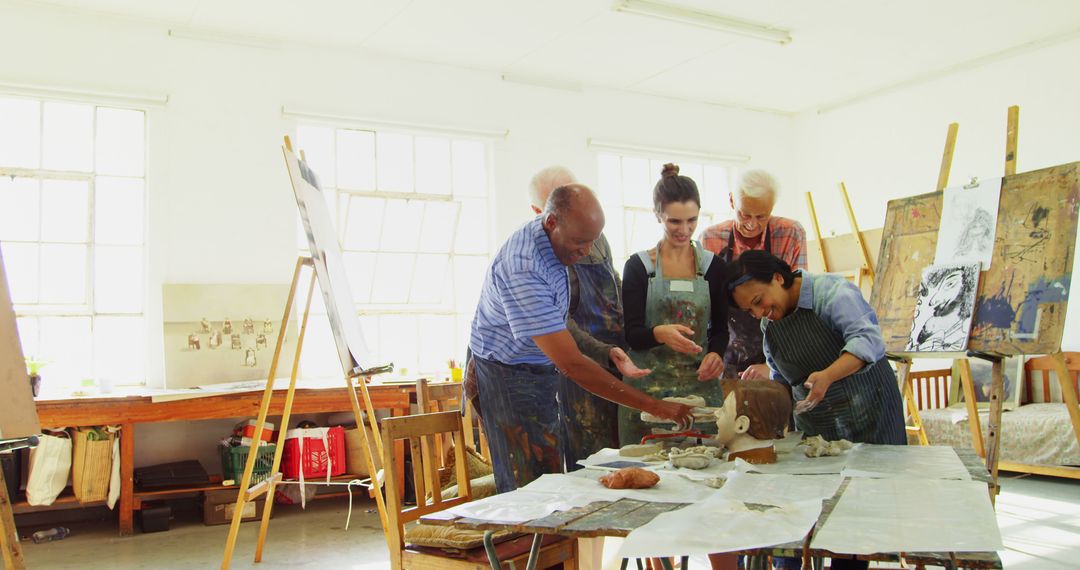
982 376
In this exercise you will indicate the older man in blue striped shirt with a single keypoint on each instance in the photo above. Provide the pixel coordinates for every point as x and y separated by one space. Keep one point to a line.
520 342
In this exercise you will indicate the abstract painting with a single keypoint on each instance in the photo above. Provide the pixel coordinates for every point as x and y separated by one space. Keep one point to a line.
944 309
969 224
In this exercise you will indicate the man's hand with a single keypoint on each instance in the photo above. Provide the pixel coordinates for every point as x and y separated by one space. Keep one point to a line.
756 372
818 383
677 337
681 414
622 361
711 367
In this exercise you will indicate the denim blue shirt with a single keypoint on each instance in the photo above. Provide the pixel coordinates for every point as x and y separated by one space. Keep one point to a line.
526 293
841 305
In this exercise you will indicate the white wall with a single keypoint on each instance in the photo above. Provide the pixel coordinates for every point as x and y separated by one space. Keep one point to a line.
891 146
220 206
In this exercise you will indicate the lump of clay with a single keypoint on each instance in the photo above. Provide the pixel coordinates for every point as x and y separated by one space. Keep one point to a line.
693 458
639 449
818 446
630 478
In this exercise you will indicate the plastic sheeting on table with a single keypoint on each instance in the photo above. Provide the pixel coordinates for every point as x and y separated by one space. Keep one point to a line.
519 506
720 525
797 463
672 488
610 459
779 489
924 462
906 515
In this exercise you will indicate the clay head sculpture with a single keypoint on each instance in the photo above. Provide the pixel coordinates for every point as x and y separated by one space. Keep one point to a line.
755 412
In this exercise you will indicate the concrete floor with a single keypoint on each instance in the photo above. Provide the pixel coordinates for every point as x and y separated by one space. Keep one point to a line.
1039 519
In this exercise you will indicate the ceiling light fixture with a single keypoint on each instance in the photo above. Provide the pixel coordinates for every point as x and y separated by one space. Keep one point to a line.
686 15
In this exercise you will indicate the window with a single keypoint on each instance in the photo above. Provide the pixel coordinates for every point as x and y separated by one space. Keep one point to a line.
412 216
626 183
72 219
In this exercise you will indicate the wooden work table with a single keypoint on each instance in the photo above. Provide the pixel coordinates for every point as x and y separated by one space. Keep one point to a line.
128 411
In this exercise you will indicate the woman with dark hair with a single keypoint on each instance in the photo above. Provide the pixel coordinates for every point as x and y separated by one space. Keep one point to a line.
823 339
675 307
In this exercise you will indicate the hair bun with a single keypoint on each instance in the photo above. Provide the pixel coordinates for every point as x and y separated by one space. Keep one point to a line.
670 169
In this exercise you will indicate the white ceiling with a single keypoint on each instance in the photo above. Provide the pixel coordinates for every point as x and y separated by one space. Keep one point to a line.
841 49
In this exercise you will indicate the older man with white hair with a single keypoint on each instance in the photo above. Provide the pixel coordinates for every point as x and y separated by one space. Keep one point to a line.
754 227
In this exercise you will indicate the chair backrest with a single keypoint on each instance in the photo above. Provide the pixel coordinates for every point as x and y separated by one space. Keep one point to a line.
930 388
450 396
1040 370
420 430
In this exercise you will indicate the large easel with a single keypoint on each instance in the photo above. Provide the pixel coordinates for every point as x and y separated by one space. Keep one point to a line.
18 417
989 446
356 376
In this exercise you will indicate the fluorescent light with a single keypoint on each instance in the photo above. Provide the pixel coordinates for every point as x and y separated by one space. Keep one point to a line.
685 15
223 37
373 123
675 153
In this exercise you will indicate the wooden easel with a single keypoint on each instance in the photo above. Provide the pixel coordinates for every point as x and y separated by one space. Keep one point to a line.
989 448
9 538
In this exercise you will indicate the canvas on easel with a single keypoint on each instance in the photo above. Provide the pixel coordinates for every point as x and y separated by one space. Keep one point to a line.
18 414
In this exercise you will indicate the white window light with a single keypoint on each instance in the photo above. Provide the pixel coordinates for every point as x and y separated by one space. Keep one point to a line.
639 150
685 15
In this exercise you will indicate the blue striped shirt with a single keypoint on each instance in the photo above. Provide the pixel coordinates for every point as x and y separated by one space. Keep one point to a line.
526 293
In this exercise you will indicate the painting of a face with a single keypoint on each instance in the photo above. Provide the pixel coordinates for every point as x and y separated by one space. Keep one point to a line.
946 296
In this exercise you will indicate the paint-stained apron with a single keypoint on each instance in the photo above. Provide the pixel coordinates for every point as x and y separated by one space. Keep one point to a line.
744 331
590 422
672 301
865 407
521 420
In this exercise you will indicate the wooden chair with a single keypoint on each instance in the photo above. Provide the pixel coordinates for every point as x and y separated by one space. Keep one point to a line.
444 398
1042 367
925 390
421 430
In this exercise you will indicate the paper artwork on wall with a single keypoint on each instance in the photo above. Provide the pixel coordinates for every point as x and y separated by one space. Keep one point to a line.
944 309
202 345
968 224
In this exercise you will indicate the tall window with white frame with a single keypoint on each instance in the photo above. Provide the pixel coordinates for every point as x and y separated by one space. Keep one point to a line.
412 215
626 183
72 233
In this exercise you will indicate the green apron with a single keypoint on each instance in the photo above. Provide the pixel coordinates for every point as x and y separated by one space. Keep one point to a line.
672 301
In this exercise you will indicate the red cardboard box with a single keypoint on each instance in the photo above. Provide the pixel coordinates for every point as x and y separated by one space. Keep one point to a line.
316 450
247 430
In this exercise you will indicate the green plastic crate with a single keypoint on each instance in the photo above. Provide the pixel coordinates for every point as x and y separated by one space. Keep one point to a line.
234 458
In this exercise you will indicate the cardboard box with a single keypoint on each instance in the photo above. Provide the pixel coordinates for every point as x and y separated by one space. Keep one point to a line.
355 463
218 507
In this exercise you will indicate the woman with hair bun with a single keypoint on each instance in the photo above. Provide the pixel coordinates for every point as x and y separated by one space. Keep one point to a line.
675 306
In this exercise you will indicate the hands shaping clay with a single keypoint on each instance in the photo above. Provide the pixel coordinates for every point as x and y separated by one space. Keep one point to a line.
695 402
630 478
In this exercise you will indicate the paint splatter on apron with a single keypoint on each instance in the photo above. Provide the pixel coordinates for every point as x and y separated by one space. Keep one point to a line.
590 422
521 420
672 301
865 407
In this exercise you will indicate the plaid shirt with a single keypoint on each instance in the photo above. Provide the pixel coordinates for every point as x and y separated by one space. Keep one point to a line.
787 236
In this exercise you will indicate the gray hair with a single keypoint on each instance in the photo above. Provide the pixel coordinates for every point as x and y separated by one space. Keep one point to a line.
547 180
757 184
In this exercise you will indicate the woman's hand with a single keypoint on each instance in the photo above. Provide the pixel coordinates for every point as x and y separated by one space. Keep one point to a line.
622 361
677 337
756 372
818 383
711 367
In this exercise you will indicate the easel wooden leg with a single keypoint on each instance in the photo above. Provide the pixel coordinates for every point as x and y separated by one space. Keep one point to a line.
264 408
9 538
127 479
964 369
993 427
